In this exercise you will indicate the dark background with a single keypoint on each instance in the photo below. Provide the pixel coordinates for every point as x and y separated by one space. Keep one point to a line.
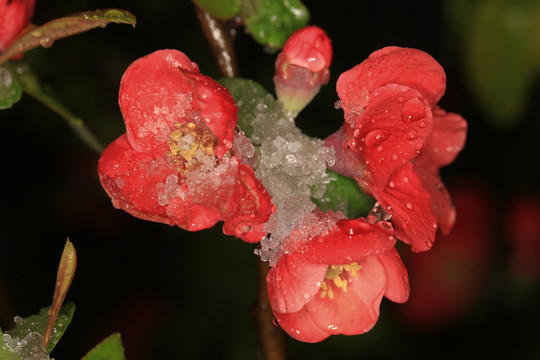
179 295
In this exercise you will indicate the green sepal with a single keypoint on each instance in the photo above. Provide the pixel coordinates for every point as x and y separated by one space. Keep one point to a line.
38 323
271 22
249 97
10 89
223 9
343 194
110 348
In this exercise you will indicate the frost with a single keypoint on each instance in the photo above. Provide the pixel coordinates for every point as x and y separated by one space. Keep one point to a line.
292 167
168 190
28 348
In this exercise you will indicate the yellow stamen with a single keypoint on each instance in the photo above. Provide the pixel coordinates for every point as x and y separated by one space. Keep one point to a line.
339 274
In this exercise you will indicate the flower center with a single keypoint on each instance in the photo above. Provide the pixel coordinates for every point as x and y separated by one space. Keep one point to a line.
190 147
339 275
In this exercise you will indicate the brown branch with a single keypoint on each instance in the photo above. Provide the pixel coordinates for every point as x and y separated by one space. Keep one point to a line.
272 339
218 37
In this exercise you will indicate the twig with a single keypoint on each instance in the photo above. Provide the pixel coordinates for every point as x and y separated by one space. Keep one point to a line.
273 344
218 37
271 337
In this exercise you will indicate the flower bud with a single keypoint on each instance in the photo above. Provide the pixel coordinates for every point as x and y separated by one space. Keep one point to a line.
302 67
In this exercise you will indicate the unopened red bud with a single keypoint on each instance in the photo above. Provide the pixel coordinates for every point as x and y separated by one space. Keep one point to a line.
302 67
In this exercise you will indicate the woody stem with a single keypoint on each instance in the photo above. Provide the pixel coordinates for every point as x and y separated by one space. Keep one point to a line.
272 340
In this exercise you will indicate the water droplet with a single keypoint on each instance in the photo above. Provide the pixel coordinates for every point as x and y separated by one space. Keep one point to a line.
405 225
419 147
410 206
421 124
400 100
261 107
412 135
380 148
337 104
356 132
414 109
46 42
375 137
392 184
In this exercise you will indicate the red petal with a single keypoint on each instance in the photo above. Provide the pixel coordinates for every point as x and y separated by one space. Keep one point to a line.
442 206
406 199
351 240
390 131
353 312
293 281
445 142
130 178
397 281
254 207
392 65
310 48
14 17
166 88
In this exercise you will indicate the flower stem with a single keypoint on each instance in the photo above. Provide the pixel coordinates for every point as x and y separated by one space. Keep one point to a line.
272 340
218 37
273 343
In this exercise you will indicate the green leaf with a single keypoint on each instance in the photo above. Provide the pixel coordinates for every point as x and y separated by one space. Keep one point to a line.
271 22
10 90
224 9
46 34
502 57
30 85
343 194
38 323
248 95
109 349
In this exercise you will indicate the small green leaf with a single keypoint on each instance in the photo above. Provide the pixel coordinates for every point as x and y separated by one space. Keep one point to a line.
248 95
30 85
46 34
343 194
271 22
223 9
10 90
110 348
64 277
38 323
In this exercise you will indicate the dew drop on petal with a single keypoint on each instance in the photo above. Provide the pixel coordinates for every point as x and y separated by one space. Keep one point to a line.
412 135
410 206
375 138
413 109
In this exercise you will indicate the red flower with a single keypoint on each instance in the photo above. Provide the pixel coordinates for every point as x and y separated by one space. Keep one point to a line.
174 164
395 139
448 280
302 67
334 283
15 15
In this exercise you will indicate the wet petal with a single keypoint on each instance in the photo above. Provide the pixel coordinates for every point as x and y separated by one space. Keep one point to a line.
390 131
409 203
254 207
164 89
445 142
350 240
293 281
131 178
393 65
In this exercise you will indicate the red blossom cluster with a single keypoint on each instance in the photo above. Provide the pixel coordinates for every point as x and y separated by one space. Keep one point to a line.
180 163
15 15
